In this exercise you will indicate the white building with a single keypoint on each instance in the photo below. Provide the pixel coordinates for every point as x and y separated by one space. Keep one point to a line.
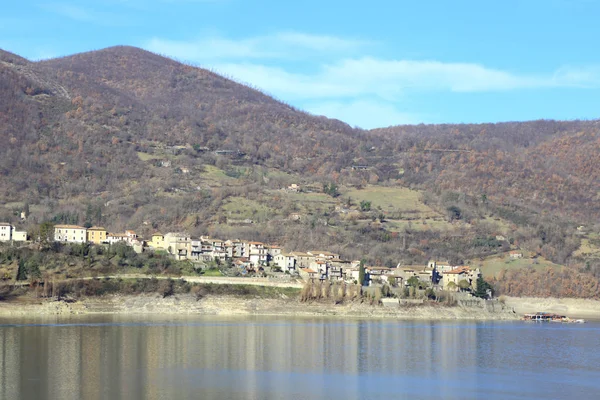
129 238
258 253
5 232
19 236
286 262
70 233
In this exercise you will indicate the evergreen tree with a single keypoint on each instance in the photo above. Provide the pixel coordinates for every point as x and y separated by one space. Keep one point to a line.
361 273
482 288
22 271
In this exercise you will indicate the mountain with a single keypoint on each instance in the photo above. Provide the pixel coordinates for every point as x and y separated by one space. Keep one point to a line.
547 166
130 139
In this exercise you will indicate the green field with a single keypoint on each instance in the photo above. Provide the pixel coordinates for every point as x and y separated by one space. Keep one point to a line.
242 208
587 249
392 199
438 224
148 157
216 176
212 272
311 202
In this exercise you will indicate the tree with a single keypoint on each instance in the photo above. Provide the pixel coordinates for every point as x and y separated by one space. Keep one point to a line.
413 281
464 284
22 271
430 294
46 232
331 189
166 288
451 286
365 205
361 273
454 213
482 288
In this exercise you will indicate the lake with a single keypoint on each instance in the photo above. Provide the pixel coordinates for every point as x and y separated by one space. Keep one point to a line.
115 357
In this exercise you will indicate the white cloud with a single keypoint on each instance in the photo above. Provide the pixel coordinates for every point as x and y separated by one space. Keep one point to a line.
582 77
389 79
284 45
343 83
73 12
84 14
365 113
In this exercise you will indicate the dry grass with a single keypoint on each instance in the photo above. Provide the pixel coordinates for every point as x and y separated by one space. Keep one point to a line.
493 265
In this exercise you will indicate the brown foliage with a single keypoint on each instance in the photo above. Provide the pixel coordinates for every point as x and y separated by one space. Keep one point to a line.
547 283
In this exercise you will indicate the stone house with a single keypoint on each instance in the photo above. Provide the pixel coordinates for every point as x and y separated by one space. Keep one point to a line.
376 274
303 260
440 266
323 255
307 273
459 274
178 244
239 248
516 254
272 252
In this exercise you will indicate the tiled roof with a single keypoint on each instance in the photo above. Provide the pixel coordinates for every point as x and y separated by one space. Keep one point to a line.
459 270
308 271
69 227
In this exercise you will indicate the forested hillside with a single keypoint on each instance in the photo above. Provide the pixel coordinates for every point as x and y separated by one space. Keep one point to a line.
548 166
128 139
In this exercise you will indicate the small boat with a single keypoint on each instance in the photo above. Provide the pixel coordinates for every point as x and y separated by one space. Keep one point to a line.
544 317
549 317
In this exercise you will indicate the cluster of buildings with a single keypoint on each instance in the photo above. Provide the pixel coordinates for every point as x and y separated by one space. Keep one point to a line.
252 257
9 233
95 235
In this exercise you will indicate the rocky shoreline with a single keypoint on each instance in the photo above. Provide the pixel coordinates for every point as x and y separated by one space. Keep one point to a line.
574 308
242 306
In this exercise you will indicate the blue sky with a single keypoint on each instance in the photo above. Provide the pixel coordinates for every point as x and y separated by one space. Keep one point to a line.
371 64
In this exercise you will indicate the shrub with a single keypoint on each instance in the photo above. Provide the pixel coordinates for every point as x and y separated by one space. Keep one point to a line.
165 288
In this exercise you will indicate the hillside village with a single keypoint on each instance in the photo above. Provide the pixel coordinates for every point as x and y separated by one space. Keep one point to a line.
251 258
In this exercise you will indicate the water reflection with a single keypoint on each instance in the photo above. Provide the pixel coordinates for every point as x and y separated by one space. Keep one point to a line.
273 359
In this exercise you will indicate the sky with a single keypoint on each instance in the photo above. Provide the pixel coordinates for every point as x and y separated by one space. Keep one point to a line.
369 63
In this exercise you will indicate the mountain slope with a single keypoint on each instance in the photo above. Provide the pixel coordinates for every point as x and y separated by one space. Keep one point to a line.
129 139
183 104
84 117
545 165
99 110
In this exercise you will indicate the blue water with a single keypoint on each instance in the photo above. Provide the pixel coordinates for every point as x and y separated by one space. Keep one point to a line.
272 358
